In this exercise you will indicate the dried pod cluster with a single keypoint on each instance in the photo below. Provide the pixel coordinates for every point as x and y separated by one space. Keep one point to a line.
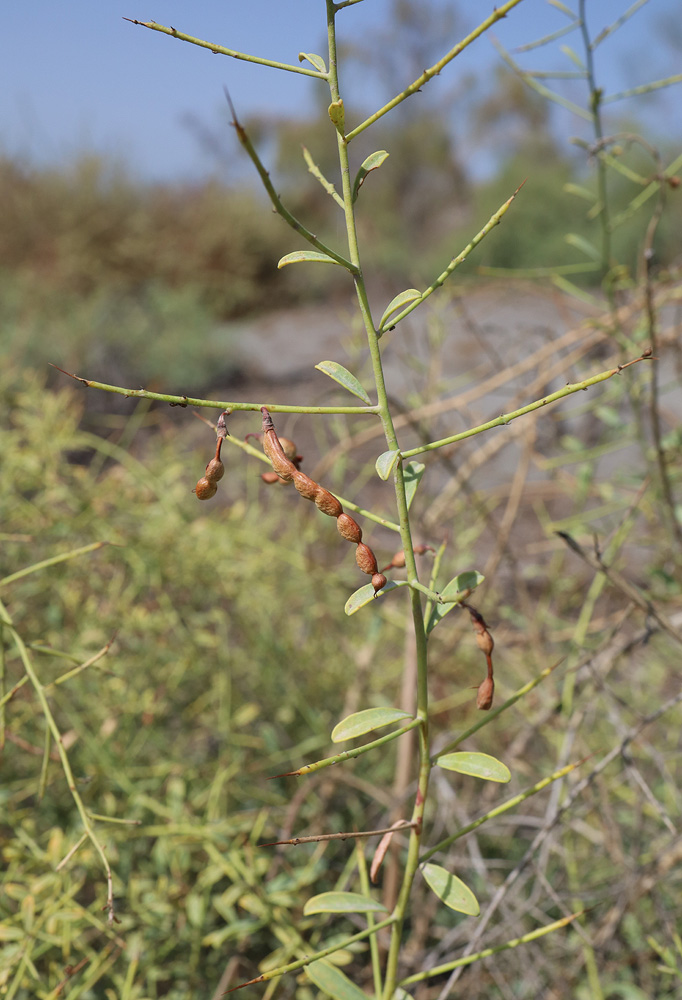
215 470
286 468
484 640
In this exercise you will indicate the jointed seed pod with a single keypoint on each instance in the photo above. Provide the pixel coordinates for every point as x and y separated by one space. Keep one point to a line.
327 503
284 461
349 528
486 690
366 559
484 641
215 470
306 486
205 489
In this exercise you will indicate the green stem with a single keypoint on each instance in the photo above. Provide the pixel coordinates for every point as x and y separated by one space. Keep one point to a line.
506 418
428 74
221 50
596 96
218 404
404 521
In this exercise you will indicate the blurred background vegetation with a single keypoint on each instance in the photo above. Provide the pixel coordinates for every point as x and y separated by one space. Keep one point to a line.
231 658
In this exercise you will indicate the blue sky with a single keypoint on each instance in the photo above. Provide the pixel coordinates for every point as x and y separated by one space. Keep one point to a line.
76 77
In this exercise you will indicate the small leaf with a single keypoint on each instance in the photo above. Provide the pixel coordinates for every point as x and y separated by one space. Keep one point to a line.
479 765
385 463
580 243
365 595
311 255
373 162
461 583
342 902
451 890
333 982
412 474
337 115
400 994
363 722
396 304
316 61
344 378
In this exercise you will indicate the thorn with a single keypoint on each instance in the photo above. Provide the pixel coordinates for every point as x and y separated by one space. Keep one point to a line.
285 774
70 374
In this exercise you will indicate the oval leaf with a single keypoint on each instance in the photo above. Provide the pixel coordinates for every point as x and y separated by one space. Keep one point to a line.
363 722
451 890
385 463
412 474
342 902
479 765
396 304
333 982
365 595
311 255
344 378
337 115
461 583
314 60
373 161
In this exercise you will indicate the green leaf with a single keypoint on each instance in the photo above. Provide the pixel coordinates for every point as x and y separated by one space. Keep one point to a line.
365 595
385 463
396 304
451 890
344 378
333 982
298 256
464 581
479 765
316 61
363 722
412 474
342 902
373 161
337 115
580 243
401 994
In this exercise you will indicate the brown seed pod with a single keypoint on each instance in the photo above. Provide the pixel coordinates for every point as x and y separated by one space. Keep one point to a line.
485 642
290 450
327 503
305 485
378 581
270 477
205 489
215 470
366 559
349 528
273 449
486 690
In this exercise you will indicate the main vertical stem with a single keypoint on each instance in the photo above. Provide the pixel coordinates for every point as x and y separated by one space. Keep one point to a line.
412 859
